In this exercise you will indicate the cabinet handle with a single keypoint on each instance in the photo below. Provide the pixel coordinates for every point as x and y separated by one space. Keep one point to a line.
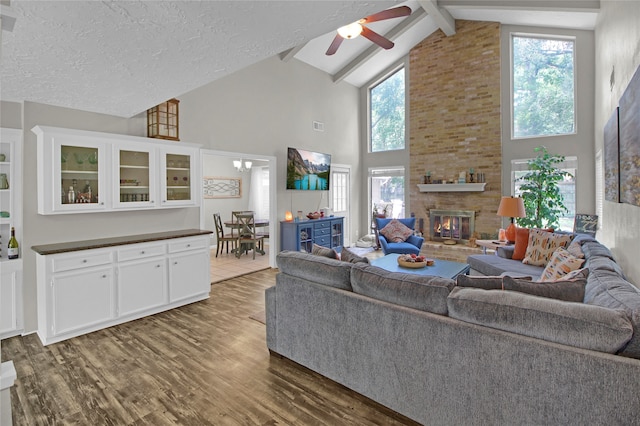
142 252
188 245
84 260
157 266
175 263
104 276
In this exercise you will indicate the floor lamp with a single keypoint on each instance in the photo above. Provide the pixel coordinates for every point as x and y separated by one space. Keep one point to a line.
511 207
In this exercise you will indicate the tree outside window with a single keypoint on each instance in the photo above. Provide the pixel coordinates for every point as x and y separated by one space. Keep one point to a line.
387 119
543 86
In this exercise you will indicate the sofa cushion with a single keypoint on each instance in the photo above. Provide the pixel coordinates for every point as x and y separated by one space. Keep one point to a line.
489 264
426 293
505 251
569 291
596 263
608 289
349 256
323 251
396 232
594 248
573 324
561 263
330 272
542 244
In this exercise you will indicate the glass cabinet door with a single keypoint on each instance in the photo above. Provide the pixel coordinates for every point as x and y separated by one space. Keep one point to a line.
178 178
80 174
135 185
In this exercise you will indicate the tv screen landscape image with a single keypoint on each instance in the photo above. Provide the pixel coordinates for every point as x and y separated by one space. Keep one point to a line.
307 170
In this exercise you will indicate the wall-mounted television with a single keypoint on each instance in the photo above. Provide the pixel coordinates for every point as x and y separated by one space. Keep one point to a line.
307 170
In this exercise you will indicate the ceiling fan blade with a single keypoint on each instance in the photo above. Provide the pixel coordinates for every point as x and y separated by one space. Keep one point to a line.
333 48
396 12
376 38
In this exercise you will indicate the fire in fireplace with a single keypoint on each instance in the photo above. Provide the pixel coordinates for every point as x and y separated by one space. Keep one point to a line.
456 225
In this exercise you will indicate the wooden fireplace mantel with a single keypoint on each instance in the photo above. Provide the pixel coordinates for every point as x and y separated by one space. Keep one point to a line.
451 187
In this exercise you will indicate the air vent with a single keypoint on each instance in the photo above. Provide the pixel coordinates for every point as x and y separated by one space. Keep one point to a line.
318 126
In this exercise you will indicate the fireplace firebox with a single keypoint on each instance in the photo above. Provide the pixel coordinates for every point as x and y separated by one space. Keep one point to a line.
457 225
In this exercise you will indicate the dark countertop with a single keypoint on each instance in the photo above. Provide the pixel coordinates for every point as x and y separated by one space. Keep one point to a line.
116 241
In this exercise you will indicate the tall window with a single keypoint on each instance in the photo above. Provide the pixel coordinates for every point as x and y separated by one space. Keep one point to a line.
542 75
387 191
386 114
520 168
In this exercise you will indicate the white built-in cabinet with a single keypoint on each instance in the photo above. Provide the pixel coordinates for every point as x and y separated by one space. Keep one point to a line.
81 172
86 290
11 303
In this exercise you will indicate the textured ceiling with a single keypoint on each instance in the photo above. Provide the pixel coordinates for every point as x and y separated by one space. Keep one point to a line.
122 57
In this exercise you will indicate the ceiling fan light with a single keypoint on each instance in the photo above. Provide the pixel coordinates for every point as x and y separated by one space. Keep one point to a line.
350 31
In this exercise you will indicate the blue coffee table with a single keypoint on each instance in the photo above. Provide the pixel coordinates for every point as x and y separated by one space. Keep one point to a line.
441 268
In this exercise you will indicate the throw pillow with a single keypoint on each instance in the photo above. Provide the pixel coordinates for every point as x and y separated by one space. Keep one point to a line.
569 291
578 274
522 240
396 231
541 246
575 248
349 256
324 251
561 263
479 281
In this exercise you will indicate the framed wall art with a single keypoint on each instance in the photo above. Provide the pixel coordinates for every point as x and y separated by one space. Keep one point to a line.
221 187
630 142
611 159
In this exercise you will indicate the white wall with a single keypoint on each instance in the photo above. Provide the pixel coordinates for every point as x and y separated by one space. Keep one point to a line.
267 107
580 144
617 48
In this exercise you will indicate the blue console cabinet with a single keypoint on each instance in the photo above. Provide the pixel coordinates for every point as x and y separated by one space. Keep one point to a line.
303 234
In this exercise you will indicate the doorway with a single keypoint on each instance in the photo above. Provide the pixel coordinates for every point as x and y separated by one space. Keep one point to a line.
339 196
221 164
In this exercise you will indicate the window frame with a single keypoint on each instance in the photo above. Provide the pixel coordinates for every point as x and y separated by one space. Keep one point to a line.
574 40
386 171
384 77
569 163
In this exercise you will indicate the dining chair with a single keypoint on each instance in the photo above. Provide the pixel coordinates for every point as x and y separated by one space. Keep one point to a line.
223 238
247 238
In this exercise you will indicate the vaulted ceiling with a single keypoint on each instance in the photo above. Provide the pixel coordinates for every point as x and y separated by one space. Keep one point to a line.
122 57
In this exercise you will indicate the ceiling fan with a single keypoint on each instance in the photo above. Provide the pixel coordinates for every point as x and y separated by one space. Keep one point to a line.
354 29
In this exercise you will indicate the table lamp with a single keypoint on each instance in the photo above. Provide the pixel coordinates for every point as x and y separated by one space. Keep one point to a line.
511 207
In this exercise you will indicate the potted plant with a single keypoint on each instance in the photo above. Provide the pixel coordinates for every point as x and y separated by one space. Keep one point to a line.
543 200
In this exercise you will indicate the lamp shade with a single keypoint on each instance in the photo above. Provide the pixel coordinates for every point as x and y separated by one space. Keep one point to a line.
512 207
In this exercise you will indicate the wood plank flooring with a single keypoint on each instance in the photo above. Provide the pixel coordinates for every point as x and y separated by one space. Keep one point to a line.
202 364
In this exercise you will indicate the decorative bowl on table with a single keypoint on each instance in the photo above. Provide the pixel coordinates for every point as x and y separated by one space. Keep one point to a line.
314 215
414 261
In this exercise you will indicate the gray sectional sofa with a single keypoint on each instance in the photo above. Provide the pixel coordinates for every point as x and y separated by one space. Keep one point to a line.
445 355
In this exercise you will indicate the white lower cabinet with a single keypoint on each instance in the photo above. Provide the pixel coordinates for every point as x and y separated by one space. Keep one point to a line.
11 298
187 275
82 299
142 285
87 290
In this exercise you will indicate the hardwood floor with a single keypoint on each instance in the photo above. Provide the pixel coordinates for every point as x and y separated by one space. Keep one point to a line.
202 364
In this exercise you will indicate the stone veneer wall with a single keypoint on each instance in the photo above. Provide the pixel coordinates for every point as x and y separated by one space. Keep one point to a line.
454 87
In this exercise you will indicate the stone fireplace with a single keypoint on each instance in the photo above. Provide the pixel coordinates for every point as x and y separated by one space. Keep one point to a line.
457 225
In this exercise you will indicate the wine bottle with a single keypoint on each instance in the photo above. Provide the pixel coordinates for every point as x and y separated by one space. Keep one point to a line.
13 245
